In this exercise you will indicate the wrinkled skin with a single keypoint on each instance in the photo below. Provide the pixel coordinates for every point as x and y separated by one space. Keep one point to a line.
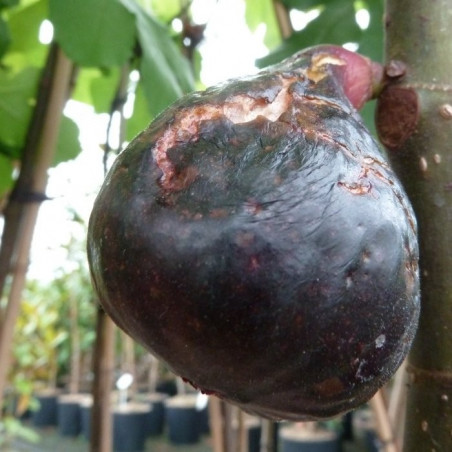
255 239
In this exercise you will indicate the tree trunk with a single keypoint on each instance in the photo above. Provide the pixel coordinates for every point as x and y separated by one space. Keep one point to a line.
414 119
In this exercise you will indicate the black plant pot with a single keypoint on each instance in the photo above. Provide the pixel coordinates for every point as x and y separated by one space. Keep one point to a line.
69 414
365 430
202 405
182 417
253 429
156 419
85 416
46 414
295 439
168 387
130 422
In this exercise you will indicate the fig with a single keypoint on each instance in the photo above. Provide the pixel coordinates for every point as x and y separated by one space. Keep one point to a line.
254 239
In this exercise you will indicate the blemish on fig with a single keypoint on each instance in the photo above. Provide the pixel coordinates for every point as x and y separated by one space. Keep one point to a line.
366 256
380 341
316 72
185 128
329 387
348 282
356 188
445 111
423 165
437 159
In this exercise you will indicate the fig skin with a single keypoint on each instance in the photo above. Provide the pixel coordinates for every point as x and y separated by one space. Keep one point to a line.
254 239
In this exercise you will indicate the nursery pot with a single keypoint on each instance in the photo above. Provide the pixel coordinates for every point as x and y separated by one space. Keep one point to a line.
130 422
46 414
156 418
182 417
364 427
85 416
252 427
296 439
69 414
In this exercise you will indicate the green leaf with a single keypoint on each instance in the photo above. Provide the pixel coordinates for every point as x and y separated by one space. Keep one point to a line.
5 37
97 87
302 5
12 152
371 43
94 32
103 89
6 175
166 74
263 11
24 25
8 3
335 25
141 117
68 145
17 93
166 10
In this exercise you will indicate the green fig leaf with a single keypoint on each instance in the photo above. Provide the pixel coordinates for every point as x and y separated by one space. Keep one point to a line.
94 32
68 145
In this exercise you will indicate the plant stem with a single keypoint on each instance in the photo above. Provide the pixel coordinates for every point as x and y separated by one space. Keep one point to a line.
418 35
283 18
103 364
22 212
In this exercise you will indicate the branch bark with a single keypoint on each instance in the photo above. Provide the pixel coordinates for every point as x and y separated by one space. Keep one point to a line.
414 119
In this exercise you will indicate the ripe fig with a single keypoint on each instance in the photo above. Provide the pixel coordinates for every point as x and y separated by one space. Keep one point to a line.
254 238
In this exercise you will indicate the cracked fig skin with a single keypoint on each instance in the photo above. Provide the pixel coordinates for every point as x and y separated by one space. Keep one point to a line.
254 239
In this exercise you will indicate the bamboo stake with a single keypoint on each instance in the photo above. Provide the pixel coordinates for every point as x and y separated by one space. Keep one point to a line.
41 161
216 424
384 428
397 403
267 436
283 18
153 373
103 366
242 432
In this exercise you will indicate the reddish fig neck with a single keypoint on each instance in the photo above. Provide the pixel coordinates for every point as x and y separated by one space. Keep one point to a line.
360 77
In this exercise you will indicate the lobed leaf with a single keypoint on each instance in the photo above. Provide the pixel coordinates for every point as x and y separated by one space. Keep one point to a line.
5 38
6 175
68 145
263 11
17 93
24 24
335 25
166 75
94 32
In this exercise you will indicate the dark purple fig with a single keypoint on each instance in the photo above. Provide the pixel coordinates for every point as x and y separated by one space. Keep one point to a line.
255 240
